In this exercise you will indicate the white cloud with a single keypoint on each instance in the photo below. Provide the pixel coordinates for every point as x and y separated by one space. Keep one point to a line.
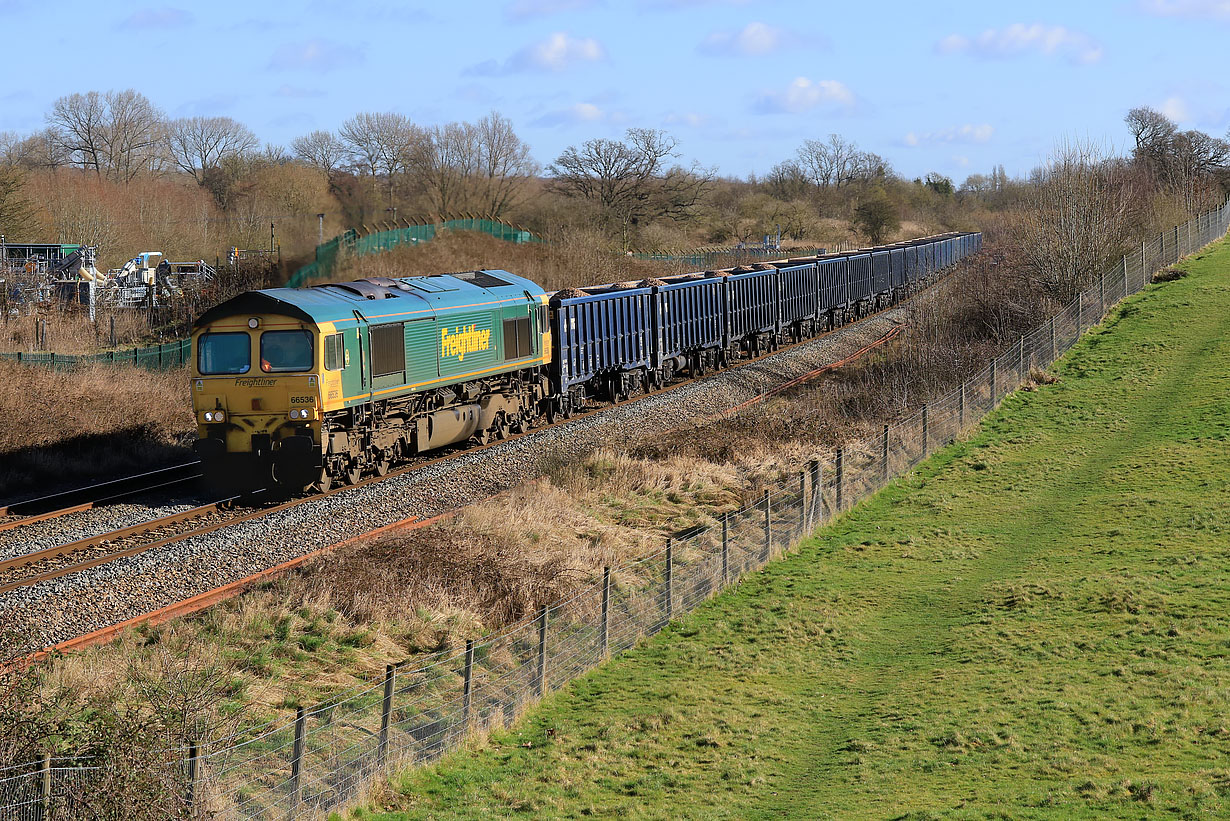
527 9
752 40
688 118
558 52
1214 9
156 18
576 113
1019 38
967 133
803 94
315 55
1176 108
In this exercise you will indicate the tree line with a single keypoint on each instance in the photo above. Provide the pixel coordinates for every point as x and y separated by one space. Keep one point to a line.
110 168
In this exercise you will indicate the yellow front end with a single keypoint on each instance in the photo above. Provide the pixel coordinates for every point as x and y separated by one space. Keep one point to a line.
256 394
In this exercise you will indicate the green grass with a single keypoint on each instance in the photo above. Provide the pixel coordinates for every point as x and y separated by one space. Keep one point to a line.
1032 625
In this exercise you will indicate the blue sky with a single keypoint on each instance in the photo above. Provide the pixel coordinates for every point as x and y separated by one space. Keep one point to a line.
954 87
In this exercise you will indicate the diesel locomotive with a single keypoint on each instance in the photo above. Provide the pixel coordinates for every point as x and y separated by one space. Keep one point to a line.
300 387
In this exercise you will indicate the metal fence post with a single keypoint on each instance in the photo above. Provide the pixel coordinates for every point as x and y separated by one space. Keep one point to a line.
296 761
1054 348
540 675
725 549
467 691
1102 295
992 383
884 455
605 636
1080 313
841 475
961 408
768 526
1020 359
1125 285
925 438
670 579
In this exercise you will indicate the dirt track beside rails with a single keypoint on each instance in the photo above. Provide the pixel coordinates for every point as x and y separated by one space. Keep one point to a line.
69 606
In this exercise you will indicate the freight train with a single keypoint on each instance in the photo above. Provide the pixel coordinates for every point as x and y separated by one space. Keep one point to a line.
300 387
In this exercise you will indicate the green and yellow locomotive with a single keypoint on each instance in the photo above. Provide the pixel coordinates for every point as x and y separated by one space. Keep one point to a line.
300 387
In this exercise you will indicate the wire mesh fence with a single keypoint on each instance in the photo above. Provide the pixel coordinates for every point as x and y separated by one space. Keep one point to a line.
329 253
155 357
320 760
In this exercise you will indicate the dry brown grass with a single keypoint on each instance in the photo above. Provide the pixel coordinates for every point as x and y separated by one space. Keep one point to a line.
71 332
74 425
573 259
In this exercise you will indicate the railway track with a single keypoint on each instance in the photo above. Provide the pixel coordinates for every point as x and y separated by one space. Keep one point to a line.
79 500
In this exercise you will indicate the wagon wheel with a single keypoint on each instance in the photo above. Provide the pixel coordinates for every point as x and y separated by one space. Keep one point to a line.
567 410
354 472
552 411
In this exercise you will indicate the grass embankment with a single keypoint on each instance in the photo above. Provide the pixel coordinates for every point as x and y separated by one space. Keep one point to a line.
1033 624
96 421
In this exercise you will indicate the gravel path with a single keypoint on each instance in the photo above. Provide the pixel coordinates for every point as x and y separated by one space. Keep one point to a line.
60 609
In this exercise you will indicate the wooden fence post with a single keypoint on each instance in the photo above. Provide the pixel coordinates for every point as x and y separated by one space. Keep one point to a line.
768 526
803 500
296 761
992 382
540 675
725 549
925 438
467 688
42 807
1020 360
817 482
1054 349
670 579
386 713
884 456
194 774
841 475
605 638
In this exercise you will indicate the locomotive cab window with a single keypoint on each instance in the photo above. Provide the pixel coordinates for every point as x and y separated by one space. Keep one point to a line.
517 343
335 352
286 351
224 353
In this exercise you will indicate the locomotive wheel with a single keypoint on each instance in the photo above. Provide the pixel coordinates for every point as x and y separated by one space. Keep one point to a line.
354 472
552 411
382 465
325 482
501 427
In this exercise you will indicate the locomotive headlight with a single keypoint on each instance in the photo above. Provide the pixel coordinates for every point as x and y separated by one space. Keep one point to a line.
215 416
253 322
300 413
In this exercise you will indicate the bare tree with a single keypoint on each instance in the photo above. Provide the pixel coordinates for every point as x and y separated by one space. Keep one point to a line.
17 218
1075 218
134 134
117 134
446 160
787 181
77 124
504 164
321 149
197 144
629 180
380 145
